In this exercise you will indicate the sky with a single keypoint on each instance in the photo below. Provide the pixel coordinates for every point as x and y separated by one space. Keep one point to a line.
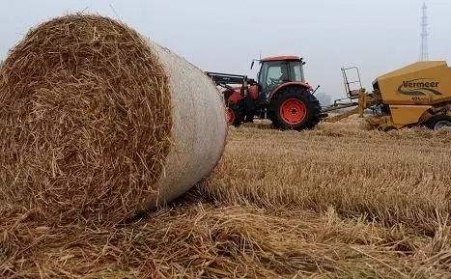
224 36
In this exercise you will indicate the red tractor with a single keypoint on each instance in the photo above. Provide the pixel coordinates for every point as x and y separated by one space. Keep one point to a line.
281 94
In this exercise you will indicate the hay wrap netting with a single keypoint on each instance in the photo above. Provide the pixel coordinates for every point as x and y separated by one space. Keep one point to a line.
93 123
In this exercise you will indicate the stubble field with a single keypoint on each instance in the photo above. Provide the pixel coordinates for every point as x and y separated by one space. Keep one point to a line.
335 202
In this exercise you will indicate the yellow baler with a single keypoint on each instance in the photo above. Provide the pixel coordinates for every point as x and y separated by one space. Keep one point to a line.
419 94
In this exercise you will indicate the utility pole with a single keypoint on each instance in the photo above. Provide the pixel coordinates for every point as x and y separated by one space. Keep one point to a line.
424 51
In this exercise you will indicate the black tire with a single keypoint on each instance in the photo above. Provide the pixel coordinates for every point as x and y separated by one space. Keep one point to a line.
312 105
272 116
439 121
239 115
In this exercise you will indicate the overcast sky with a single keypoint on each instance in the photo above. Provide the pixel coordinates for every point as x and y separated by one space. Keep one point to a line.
378 36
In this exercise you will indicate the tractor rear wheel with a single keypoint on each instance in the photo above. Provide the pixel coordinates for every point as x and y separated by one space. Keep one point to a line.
295 108
438 122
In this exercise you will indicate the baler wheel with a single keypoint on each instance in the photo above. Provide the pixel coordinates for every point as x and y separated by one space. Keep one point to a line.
438 122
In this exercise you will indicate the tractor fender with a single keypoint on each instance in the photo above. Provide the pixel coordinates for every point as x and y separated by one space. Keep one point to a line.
289 84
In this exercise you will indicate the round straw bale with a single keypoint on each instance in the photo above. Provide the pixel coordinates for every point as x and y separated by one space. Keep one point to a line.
95 122
199 128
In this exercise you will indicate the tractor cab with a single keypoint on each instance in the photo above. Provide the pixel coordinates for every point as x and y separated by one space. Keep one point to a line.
275 71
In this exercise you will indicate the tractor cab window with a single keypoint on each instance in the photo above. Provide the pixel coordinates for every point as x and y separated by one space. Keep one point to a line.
297 71
273 74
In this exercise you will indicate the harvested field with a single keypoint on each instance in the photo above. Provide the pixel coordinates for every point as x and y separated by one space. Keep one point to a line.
336 202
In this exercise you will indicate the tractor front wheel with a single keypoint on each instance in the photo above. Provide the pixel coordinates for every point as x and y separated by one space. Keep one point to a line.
295 108
234 117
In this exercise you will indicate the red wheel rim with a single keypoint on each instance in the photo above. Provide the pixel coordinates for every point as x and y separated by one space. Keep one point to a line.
293 111
230 116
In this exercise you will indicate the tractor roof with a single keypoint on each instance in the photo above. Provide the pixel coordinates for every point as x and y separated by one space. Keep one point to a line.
280 58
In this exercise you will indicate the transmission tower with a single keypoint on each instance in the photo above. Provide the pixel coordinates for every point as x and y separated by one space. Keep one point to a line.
424 51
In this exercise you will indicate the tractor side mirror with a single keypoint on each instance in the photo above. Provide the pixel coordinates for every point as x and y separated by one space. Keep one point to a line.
252 65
